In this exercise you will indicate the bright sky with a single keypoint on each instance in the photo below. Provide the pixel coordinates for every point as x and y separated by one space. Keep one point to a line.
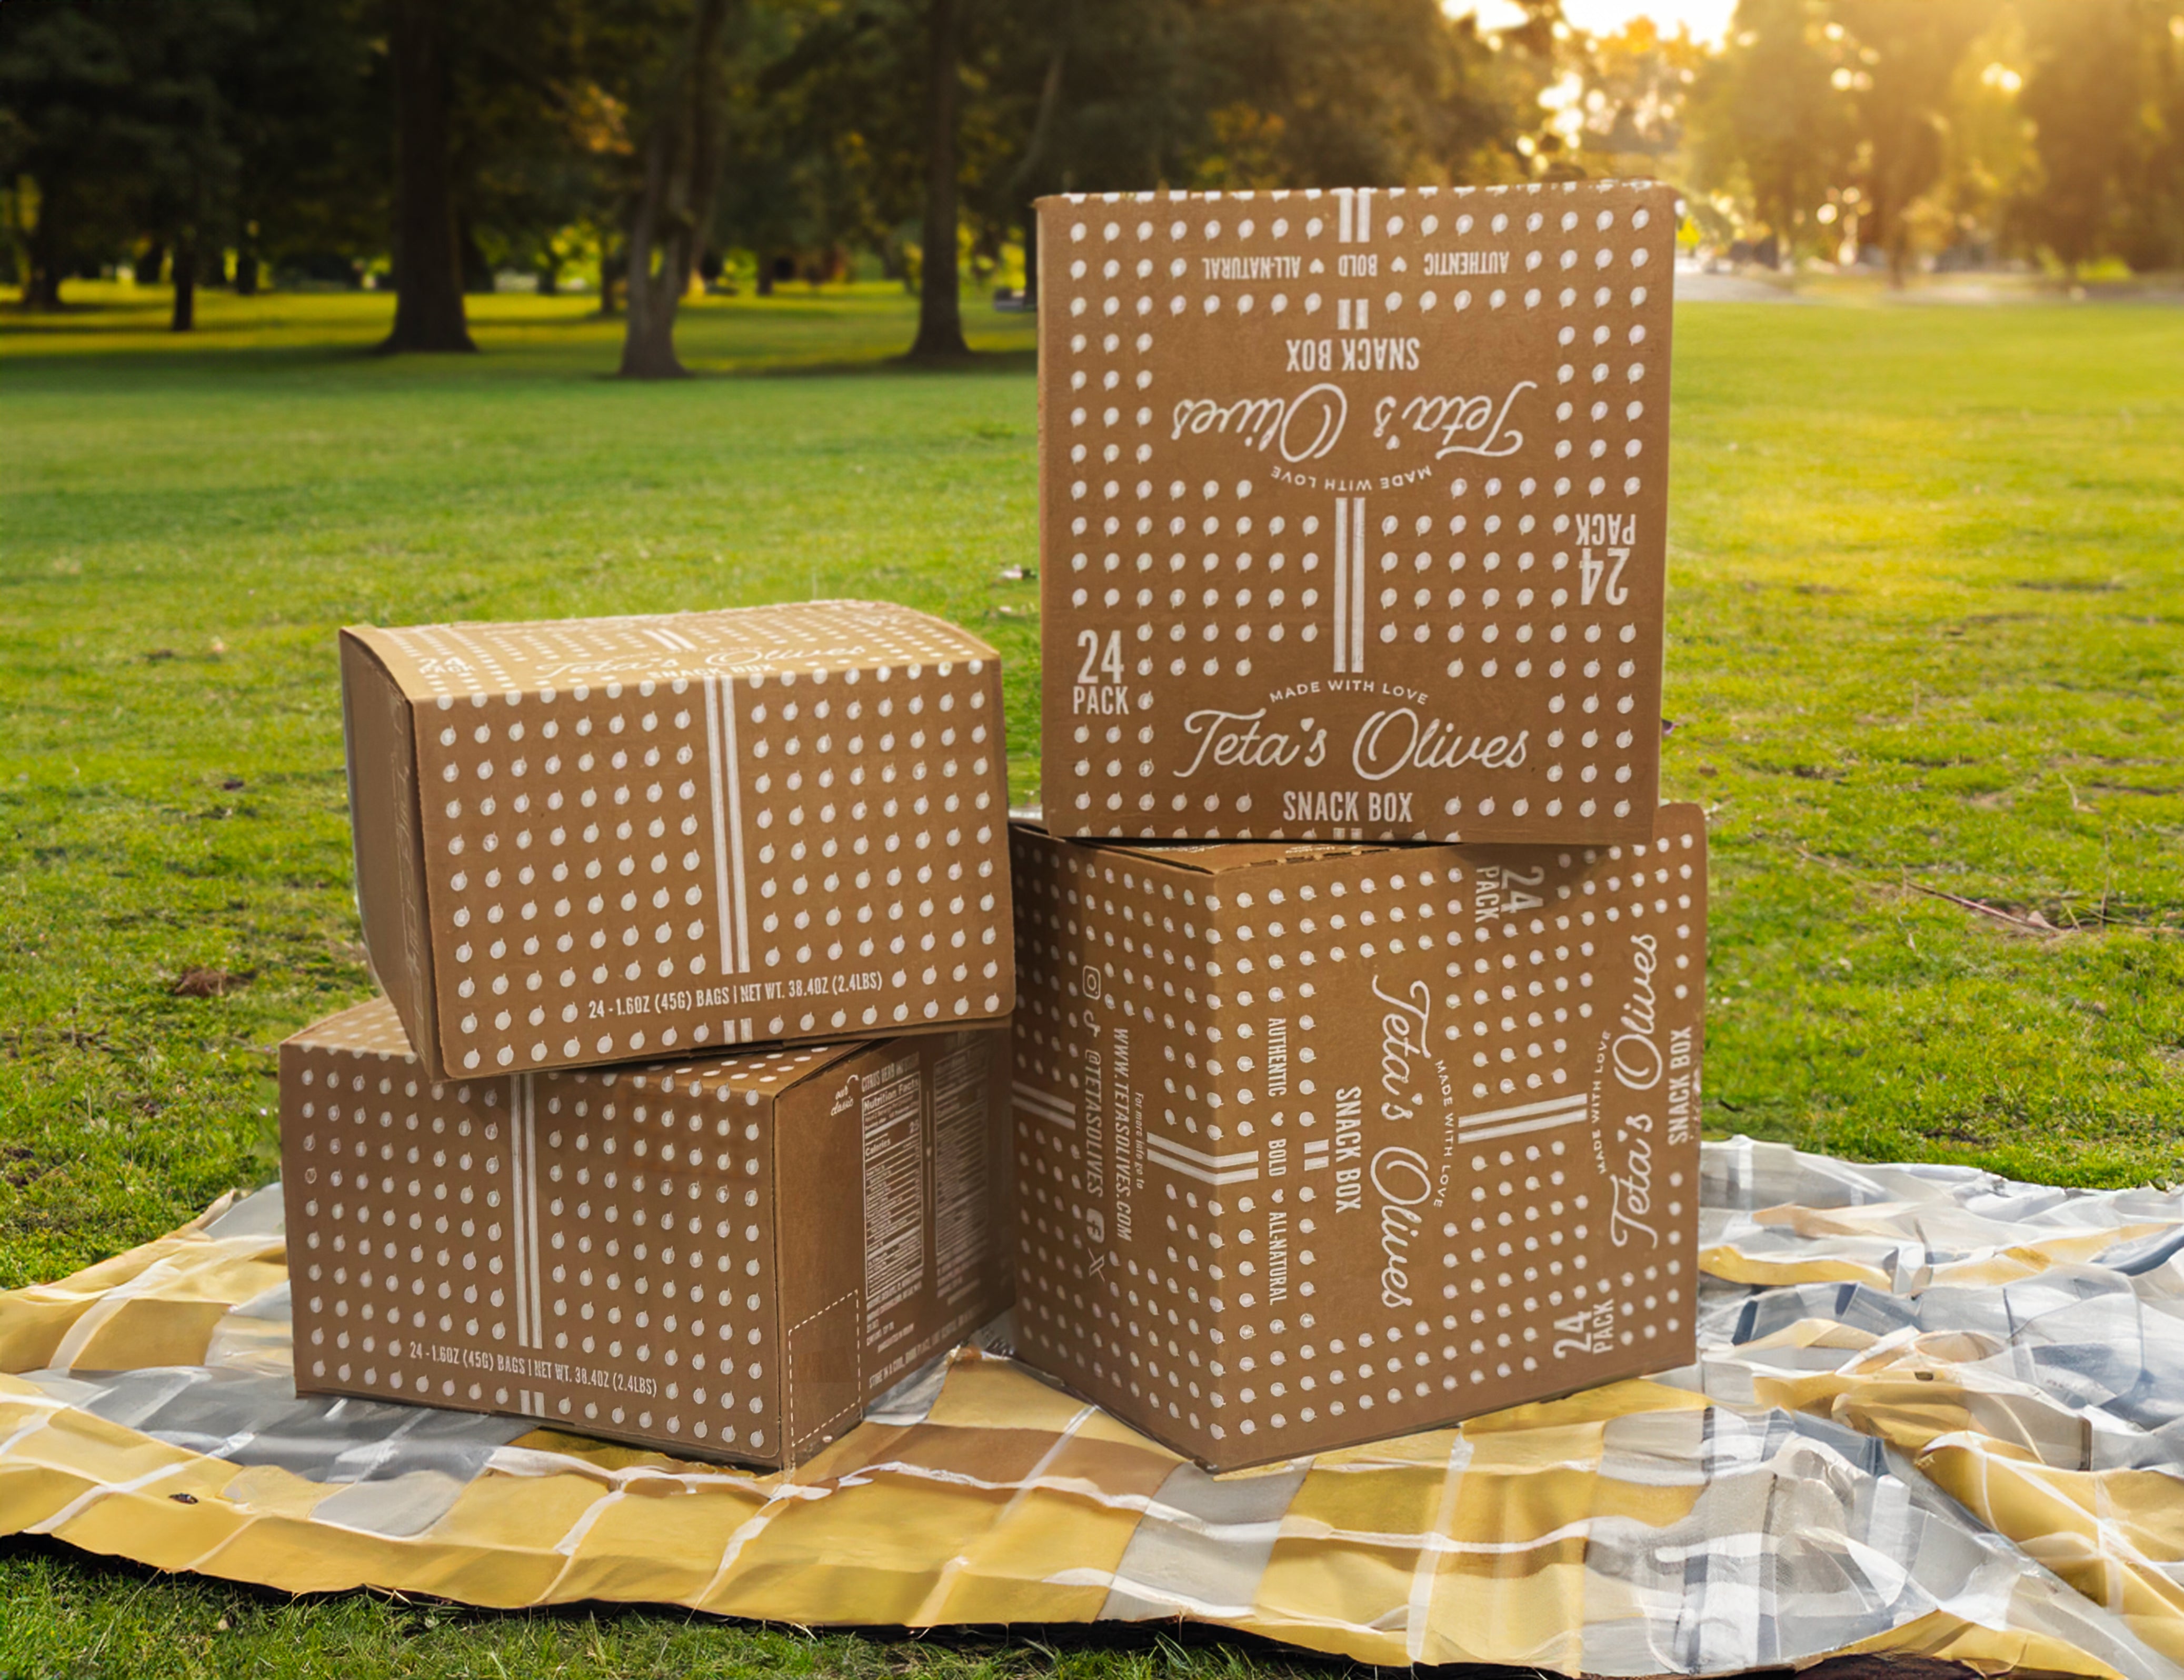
1708 18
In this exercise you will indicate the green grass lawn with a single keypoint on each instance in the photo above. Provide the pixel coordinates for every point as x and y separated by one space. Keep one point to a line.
1926 597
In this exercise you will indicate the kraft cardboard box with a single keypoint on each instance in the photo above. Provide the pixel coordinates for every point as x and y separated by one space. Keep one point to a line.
726 1257
598 840
1321 1143
1353 511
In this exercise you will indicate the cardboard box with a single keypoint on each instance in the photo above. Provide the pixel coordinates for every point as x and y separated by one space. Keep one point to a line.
593 841
729 1257
1353 511
1318 1144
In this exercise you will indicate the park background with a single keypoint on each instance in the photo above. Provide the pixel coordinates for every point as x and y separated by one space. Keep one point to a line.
1923 656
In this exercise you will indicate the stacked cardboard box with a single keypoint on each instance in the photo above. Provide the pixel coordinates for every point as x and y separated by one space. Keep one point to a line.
679 1120
1355 1086
1352 539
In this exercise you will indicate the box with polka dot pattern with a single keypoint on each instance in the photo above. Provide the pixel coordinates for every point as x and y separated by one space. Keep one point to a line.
1321 1143
1353 512
588 841
726 1257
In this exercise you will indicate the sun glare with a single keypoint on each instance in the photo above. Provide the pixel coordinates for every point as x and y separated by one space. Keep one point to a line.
1706 19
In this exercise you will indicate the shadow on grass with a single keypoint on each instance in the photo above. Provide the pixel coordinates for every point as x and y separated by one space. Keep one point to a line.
978 362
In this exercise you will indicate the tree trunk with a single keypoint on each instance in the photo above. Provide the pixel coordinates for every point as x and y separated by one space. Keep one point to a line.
1024 185
186 285
49 260
940 302
682 156
477 273
428 306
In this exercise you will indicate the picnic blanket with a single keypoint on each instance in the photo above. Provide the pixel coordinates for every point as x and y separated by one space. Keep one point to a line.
1935 1411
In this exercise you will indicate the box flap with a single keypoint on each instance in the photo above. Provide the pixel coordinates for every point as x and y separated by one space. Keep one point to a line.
439 661
1212 857
373 1028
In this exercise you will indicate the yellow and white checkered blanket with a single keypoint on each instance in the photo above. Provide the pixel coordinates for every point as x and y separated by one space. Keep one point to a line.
1935 1412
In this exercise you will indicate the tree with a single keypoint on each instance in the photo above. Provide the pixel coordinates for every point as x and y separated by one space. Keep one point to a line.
65 78
2150 232
180 100
682 150
1770 121
2082 96
939 295
1901 65
1631 107
428 282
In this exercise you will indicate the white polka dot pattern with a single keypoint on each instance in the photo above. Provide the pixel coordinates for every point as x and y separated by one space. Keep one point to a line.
1355 514
1318 1144
646 836
614 1252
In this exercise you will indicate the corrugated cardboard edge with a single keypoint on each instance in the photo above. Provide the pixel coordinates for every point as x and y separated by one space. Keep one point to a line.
399 668
386 826
805 1304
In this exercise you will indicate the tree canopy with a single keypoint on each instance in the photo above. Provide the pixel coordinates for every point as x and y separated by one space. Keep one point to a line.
644 147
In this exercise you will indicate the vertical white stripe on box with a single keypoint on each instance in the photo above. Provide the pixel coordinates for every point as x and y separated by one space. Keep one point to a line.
1342 584
714 755
1365 216
733 772
1342 222
518 1169
1357 586
529 1257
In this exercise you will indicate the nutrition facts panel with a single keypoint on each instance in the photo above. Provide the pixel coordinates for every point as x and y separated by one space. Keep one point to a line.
959 1166
890 1110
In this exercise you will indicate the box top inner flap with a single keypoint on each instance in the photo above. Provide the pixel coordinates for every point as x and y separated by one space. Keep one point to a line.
807 638
1212 857
1218 857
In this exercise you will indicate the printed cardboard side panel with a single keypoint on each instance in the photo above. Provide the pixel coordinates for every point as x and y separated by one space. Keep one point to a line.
621 874
1100 1082
1054 329
973 1224
1494 1076
1341 538
378 725
820 1238
647 1291
876 1283
357 1230
542 1256
299 1202
1000 1259
1054 1240
1645 1082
